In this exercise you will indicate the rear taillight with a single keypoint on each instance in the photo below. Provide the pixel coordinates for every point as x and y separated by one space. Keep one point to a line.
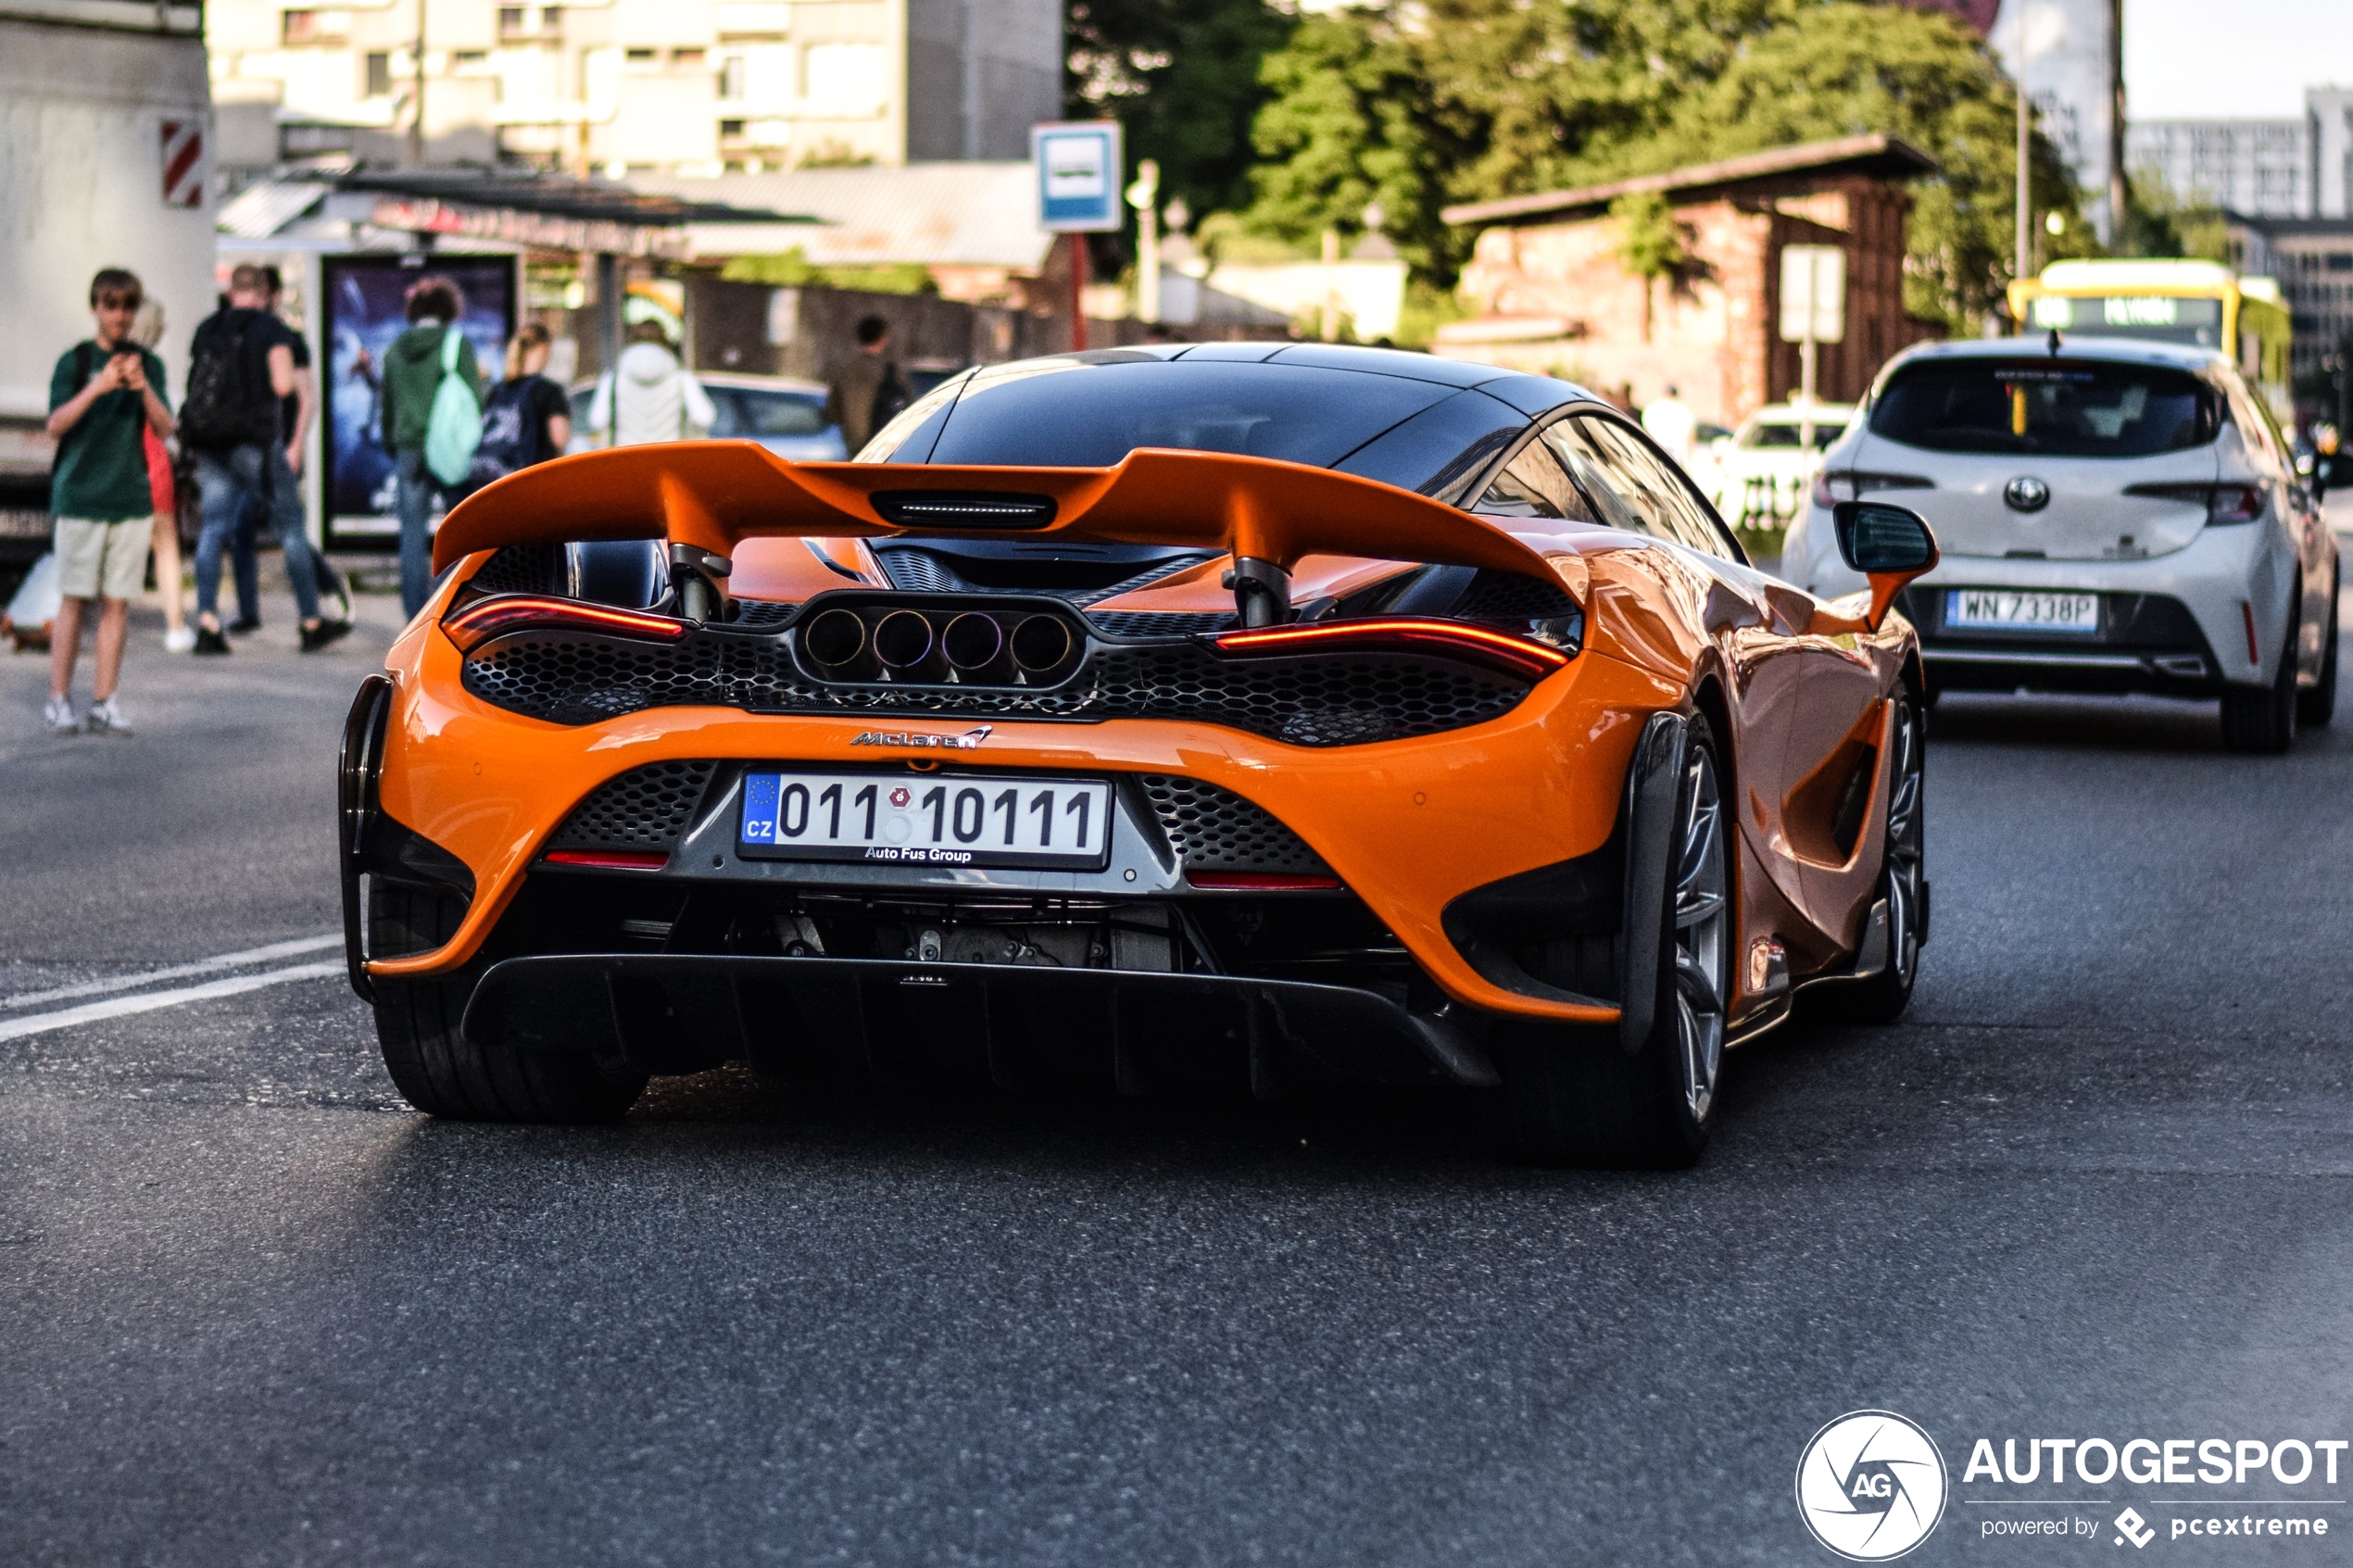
2223 502
1447 639
1831 486
608 859
486 618
1262 882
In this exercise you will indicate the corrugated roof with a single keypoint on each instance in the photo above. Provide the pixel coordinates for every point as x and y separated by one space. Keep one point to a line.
1873 153
938 214
267 205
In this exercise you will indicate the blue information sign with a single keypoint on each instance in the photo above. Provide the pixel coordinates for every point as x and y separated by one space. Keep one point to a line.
1080 170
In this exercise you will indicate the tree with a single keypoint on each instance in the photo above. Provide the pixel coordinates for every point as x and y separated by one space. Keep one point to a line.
1463 100
1344 127
1651 243
1182 79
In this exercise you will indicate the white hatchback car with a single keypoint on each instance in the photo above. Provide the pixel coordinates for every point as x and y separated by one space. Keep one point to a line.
1761 470
2114 516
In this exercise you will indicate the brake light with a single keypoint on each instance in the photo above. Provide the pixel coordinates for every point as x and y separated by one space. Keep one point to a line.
2223 502
1262 882
1451 639
1827 484
486 618
609 860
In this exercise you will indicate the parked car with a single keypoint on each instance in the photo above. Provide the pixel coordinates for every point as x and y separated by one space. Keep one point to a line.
1763 468
2116 516
783 414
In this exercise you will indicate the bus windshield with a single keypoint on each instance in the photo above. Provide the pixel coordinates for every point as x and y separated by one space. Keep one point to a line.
2158 318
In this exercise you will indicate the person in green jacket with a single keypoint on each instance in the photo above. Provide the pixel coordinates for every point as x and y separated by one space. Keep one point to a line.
412 374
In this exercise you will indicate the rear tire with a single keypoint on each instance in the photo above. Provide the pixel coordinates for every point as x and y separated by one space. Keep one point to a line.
2316 708
434 1066
1577 1096
2261 719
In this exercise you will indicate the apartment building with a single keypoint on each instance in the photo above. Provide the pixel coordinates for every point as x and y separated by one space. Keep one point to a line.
695 87
2282 169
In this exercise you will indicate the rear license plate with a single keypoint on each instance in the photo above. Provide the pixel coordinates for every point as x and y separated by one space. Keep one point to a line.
929 820
2016 611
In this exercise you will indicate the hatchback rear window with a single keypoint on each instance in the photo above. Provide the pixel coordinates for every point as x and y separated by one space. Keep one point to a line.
2059 409
1081 415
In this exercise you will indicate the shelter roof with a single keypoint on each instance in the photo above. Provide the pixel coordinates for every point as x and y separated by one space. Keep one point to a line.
1875 154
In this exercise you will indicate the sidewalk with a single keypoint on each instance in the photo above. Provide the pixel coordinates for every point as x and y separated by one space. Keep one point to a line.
169 694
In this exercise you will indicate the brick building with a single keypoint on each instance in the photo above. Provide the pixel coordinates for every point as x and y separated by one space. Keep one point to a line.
1553 296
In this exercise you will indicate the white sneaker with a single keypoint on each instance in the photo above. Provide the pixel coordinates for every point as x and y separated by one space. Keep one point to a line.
60 717
181 641
105 719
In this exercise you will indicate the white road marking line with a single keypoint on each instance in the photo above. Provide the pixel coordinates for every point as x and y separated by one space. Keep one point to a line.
201 966
118 1007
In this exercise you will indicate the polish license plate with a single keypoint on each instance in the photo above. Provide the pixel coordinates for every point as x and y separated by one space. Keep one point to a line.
926 820
2013 609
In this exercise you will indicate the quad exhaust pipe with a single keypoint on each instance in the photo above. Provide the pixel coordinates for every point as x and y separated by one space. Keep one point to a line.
970 647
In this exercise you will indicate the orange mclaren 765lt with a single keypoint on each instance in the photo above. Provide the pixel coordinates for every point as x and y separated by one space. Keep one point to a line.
1240 713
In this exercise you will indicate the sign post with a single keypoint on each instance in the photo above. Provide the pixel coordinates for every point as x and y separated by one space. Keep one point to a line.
1079 165
1813 311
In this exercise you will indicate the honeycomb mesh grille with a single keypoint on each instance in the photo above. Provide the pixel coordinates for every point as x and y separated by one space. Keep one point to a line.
763 612
1512 596
523 568
579 678
646 808
1158 623
1214 829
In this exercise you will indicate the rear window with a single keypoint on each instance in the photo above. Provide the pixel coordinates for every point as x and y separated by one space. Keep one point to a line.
2059 410
754 412
1825 432
1076 415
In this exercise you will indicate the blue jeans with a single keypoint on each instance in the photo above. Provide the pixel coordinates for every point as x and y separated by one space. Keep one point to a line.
231 480
412 496
244 562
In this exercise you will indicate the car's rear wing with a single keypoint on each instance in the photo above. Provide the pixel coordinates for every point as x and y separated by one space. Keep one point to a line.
712 494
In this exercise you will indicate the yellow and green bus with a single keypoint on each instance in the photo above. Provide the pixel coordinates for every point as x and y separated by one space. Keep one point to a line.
2200 303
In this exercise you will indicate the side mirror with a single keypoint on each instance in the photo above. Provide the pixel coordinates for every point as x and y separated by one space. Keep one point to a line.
1888 544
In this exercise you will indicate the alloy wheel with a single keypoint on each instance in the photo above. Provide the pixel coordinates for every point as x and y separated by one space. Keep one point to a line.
1701 923
1905 858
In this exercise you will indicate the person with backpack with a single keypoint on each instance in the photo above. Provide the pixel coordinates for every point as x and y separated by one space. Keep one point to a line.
653 398
432 402
866 392
239 367
296 415
103 395
526 419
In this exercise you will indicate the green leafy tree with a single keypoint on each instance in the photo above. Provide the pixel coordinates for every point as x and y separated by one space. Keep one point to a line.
1345 128
1462 100
2158 222
1182 79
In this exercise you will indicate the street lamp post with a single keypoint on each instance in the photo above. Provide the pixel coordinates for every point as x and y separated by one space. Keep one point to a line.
1143 194
2025 213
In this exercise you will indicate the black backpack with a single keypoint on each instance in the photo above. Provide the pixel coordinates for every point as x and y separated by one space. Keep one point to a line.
221 409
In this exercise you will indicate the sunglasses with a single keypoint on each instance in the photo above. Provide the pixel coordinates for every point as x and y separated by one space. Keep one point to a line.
121 301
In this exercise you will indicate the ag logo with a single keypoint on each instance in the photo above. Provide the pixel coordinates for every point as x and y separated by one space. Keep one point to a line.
1870 1485
2026 494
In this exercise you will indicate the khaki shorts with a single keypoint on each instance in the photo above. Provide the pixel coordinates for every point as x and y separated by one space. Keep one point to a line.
103 560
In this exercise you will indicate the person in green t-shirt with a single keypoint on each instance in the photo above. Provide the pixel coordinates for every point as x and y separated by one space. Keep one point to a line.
101 394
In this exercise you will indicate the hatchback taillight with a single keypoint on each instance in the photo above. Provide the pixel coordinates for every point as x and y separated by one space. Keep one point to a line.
1832 486
2223 502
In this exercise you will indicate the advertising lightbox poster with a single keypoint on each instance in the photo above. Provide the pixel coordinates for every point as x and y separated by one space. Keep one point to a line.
365 300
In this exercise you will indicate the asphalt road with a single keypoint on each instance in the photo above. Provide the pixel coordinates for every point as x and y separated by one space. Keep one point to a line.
253 1310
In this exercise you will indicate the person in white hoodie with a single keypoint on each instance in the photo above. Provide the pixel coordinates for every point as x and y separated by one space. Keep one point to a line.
658 400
